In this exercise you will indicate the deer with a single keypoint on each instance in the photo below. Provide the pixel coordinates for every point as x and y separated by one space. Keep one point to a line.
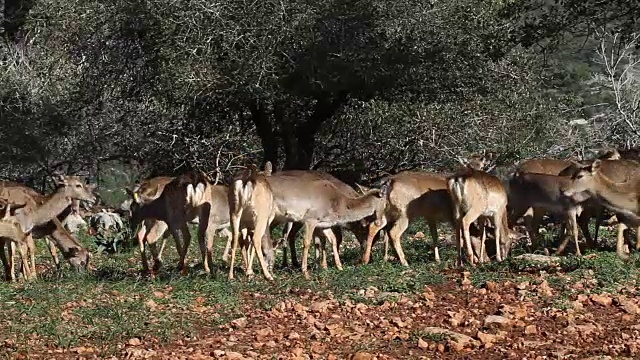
615 185
11 230
411 195
216 219
358 229
42 217
418 194
251 208
180 201
474 194
542 193
316 204
565 168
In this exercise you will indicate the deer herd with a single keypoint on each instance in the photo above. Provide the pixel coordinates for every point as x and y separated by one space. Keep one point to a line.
473 200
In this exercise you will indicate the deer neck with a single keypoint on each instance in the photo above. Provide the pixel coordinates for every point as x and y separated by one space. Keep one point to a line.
51 207
620 197
11 230
63 240
360 207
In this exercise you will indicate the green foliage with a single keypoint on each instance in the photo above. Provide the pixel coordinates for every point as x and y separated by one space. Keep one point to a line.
366 86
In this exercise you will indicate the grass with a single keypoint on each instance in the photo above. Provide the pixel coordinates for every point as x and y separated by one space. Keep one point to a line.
114 304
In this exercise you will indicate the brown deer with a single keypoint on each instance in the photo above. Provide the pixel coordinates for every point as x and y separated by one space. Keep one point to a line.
11 230
477 194
590 209
411 195
251 207
291 229
318 203
41 217
541 192
150 230
180 201
615 184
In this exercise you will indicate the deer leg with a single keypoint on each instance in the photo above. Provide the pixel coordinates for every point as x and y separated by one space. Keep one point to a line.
225 232
11 249
26 269
374 228
396 235
433 229
177 236
583 223
291 239
31 249
140 236
186 236
570 223
309 227
204 233
620 241
385 243
235 231
483 239
320 252
500 237
3 258
334 244
574 231
467 220
262 226
53 251
157 231
249 251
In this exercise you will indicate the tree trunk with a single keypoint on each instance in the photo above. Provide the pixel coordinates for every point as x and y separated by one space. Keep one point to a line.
264 128
300 141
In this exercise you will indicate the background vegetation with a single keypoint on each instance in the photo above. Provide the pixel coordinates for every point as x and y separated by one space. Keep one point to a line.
359 88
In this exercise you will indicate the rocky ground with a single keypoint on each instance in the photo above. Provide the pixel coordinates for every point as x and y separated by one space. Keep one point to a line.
524 308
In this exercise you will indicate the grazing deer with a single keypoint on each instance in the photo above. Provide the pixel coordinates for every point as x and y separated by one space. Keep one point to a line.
42 217
180 201
541 192
411 195
590 209
11 230
150 230
474 194
318 203
615 184
251 209
358 229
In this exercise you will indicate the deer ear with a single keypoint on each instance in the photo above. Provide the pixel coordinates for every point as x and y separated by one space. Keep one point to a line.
268 168
363 189
59 180
596 166
253 168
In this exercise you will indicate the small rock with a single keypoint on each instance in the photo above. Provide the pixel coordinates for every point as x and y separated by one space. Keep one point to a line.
630 307
423 344
457 341
530 330
319 306
361 355
239 323
232 355
603 300
419 235
134 342
293 336
218 353
496 320
485 338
